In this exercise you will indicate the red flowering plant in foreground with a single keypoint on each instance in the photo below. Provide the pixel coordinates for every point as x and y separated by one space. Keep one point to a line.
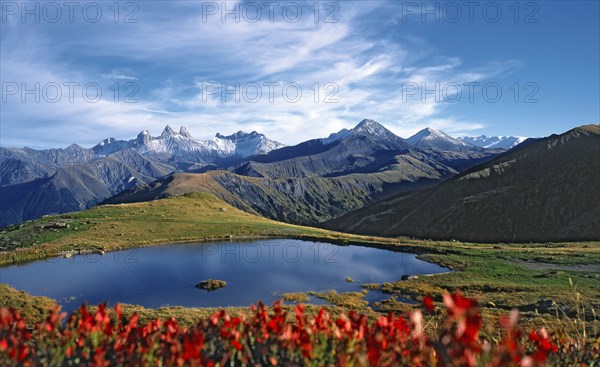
271 338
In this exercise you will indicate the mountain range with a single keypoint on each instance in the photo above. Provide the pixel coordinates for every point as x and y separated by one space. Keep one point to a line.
357 166
182 147
493 142
431 138
545 190
319 179
39 182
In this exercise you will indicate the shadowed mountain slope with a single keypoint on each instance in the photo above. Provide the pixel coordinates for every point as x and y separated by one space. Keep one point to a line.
300 200
368 147
20 165
78 187
545 190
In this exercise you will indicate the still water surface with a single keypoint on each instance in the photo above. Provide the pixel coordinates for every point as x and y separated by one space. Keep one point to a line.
167 275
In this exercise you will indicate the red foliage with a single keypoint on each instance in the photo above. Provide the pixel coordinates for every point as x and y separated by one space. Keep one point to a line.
269 339
428 303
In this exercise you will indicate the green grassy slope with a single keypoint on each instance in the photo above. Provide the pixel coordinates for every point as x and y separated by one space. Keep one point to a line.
192 217
528 276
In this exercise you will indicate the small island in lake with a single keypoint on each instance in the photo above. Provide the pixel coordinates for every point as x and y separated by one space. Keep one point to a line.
211 284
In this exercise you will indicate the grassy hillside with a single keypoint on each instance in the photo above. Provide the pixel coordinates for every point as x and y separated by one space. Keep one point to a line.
192 217
528 276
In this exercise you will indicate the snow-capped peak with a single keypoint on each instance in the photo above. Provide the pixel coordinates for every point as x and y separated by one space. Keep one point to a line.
239 135
375 130
432 138
249 144
183 131
370 127
494 142
184 147
167 132
428 134
106 141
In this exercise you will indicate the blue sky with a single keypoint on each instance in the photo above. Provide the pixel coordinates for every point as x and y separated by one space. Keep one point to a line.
376 57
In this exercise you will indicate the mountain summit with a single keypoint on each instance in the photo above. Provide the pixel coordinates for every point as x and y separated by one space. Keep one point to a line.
184 132
371 128
249 144
168 132
431 138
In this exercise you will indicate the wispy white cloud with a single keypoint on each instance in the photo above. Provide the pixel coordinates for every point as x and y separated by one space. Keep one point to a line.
117 76
171 51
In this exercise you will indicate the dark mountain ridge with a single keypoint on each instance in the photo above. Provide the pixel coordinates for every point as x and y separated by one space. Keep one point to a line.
369 147
543 190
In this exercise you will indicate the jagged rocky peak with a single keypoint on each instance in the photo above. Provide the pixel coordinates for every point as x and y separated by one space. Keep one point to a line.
181 145
144 137
106 141
239 135
183 131
168 131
